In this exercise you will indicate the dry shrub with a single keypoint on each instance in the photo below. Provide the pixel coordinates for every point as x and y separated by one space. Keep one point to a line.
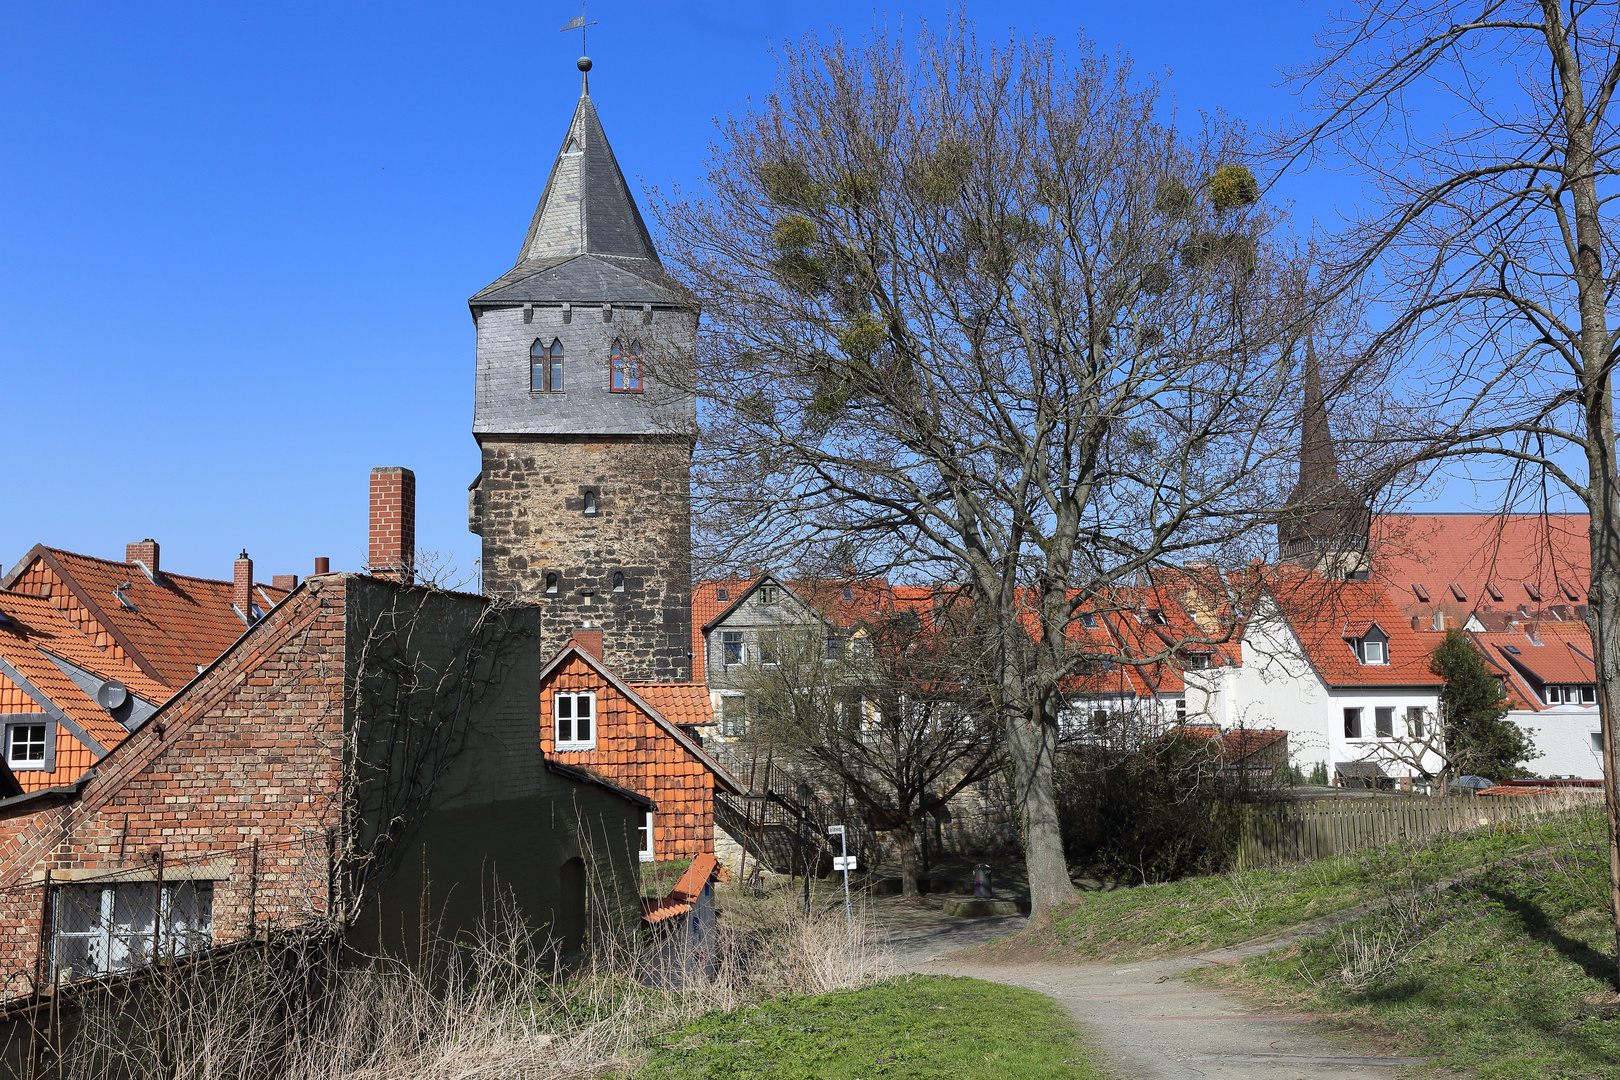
500 1005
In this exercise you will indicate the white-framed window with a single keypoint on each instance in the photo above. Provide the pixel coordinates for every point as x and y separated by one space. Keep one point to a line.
732 650
835 647
101 929
1384 722
1352 723
1414 720
573 714
1597 742
733 716
1372 651
770 648
1181 710
1588 694
25 745
644 837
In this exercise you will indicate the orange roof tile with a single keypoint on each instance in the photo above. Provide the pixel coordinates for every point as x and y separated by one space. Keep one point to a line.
679 703
171 627
696 878
48 629
1414 555
1318 611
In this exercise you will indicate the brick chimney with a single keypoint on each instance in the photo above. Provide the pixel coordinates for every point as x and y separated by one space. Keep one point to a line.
144 552
393 524
242 587
589 639
285 582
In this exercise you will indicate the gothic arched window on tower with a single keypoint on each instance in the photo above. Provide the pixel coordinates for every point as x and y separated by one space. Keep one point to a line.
546 367
590 502
618 582
626 367
551 584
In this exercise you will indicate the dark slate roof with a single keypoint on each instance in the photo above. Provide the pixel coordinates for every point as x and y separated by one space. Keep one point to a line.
587 242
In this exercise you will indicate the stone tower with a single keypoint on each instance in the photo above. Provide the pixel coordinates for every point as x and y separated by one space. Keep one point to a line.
586 421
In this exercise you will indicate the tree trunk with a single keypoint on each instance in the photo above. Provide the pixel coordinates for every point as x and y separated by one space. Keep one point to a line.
1603 477
1033 745
907 836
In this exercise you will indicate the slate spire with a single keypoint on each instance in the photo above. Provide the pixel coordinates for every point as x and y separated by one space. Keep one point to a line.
1318 457
586 208
1323 514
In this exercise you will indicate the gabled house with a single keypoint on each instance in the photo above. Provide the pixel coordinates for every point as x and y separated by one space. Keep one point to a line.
643 736
1336 665
64 703
363 758
1547 672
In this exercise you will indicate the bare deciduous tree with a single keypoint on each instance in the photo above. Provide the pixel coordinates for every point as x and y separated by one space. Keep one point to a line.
1487 244
891 719
988 316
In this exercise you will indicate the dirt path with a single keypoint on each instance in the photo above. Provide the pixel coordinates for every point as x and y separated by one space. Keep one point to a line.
1150 1022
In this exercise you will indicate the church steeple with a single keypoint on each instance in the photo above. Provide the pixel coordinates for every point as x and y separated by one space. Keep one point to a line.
1325 522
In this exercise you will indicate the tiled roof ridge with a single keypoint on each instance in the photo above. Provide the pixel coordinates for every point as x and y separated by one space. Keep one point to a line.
162 573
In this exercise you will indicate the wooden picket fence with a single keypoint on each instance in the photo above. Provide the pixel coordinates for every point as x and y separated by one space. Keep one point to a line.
1306 829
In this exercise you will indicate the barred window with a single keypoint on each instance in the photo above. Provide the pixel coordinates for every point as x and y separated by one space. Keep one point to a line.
103 929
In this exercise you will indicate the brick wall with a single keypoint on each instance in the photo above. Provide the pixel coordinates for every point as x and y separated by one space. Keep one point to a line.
530 510
251 752
254 752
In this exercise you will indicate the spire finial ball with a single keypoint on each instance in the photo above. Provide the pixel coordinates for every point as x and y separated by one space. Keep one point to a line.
584 63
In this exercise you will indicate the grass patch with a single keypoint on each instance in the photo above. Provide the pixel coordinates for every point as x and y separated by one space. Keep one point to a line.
657 878
1506 975
1223 909
905 1029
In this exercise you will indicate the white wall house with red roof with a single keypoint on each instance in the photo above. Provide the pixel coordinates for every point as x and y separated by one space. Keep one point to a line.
1335 665
1547 671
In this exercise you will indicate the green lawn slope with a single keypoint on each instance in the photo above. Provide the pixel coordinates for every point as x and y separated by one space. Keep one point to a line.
916 1028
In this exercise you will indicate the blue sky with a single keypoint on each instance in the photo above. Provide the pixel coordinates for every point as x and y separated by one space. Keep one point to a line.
236 243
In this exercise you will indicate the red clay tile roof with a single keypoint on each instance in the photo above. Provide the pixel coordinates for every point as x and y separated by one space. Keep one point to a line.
679 703
175 625
31 625
656 911
1436 551
696 878
1318 612
1564 656
50 630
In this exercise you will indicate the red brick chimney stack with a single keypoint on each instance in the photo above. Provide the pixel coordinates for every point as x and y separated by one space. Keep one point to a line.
144 552
589 639
393 523
285 582
242 586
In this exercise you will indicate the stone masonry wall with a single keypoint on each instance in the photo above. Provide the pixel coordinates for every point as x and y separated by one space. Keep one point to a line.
529 505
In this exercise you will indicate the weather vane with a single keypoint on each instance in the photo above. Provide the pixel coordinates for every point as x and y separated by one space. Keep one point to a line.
578 23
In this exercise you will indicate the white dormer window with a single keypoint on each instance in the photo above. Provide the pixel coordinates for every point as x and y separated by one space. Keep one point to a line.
1372 652
574 717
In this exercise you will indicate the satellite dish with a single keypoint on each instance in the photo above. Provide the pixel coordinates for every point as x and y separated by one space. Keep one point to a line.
111 695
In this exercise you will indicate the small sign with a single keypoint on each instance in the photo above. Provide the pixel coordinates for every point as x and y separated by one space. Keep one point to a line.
843 862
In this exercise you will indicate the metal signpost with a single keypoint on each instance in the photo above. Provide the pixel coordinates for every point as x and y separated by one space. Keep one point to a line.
846 863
